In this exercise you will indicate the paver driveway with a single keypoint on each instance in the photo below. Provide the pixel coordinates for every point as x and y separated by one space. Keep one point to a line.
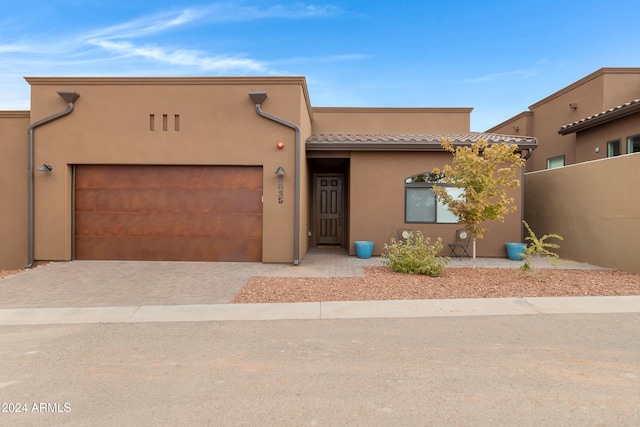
127 283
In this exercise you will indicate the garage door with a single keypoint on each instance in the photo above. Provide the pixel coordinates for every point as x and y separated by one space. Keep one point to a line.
168 213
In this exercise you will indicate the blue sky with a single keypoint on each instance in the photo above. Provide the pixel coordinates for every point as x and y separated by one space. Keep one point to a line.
495 56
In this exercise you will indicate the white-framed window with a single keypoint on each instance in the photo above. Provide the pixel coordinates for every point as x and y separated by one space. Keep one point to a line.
613 148
421 205
555 162
633 144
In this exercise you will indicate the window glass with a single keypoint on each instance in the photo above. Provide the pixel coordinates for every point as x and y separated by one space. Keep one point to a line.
420 205
633 144
555 162
443 214
613 148
425 177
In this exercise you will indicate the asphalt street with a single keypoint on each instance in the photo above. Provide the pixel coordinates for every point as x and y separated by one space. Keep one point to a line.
527 370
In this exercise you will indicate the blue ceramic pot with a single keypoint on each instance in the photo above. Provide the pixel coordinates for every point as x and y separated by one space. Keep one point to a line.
514 250
364 249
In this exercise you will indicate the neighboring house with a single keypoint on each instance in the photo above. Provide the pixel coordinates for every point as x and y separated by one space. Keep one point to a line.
593 202
607 134
564 122
219 169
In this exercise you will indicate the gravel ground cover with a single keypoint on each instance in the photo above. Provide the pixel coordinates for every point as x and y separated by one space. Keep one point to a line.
381 283
5 273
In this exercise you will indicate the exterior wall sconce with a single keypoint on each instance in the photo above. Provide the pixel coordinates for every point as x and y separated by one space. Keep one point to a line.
45 168
573 106
280 171
516 128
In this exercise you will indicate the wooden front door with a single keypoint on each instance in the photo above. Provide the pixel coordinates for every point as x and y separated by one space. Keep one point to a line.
328 209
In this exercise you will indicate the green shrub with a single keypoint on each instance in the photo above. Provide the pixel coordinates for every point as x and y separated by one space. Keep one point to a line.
415 256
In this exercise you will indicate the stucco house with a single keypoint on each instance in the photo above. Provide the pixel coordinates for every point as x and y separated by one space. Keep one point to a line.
609 133
564 122
219 169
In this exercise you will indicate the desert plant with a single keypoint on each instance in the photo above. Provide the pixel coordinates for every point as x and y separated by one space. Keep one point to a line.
415 256
539 247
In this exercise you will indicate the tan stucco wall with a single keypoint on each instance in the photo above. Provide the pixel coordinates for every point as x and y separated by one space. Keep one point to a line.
554 112
595 206
13 189
305 186
588 140
521 125
218 126
620 86
391 120
377 203
597 92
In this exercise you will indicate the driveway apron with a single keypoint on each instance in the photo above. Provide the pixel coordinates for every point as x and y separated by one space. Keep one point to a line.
141 283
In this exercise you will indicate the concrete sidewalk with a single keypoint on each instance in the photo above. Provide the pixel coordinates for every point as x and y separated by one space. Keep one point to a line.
322 310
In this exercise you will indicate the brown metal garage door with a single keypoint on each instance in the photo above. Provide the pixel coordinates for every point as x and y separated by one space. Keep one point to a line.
168 213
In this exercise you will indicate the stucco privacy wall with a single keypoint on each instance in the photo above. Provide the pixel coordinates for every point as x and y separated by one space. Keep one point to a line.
377 202
595 206
391 120
13 189
218 125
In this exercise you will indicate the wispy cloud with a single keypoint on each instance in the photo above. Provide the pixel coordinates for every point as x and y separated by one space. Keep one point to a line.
145 45
517 75
183 57
146 26
12 48
120 39
215 13
231 12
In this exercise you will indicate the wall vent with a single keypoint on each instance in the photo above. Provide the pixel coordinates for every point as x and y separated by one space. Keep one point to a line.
165 123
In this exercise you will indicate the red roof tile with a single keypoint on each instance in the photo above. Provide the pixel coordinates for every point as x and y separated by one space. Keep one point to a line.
416 140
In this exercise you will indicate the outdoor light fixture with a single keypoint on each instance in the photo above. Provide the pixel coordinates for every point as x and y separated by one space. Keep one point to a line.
573 106
280 171
45 168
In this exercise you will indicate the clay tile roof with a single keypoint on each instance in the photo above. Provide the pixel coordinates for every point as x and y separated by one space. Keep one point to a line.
409 141
602 117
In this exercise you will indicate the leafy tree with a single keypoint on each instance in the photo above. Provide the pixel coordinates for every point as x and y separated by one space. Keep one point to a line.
485 173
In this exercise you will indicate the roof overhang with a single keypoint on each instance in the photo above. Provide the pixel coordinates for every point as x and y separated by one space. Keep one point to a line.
614 113
408 142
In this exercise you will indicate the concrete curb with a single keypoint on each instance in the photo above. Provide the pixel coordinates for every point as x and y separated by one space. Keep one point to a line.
322 310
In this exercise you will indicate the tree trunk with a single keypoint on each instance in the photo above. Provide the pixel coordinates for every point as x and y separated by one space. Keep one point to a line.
474 252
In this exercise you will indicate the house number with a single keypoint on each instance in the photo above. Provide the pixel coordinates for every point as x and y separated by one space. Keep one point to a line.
280 189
